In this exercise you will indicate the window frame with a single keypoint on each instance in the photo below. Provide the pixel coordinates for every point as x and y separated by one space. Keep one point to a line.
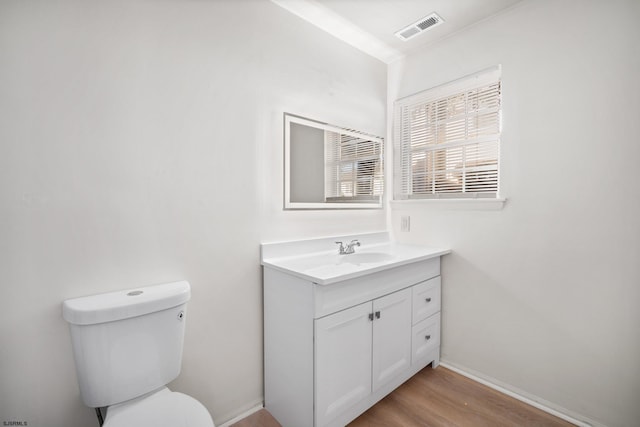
407 152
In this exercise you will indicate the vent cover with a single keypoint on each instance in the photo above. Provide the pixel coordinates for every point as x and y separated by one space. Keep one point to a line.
418 27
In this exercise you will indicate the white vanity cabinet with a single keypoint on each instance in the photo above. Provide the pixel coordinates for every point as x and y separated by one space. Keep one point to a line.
358 350
333 350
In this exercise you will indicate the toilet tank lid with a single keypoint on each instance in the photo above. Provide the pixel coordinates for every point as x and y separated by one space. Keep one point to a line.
124 304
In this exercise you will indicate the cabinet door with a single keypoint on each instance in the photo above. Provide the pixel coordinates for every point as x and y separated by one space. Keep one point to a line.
343 361
391 336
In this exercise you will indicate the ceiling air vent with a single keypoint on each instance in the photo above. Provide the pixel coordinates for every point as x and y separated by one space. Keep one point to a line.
419 27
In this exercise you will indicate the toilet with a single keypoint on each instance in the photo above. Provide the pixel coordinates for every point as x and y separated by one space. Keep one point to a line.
127 347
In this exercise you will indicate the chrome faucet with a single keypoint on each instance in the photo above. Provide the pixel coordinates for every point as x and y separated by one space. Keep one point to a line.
349 248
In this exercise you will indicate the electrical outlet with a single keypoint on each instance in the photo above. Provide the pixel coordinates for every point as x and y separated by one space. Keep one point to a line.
405 223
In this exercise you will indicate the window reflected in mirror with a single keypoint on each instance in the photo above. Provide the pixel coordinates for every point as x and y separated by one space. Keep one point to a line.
328 167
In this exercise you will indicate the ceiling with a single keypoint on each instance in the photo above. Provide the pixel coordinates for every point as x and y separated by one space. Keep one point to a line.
370 24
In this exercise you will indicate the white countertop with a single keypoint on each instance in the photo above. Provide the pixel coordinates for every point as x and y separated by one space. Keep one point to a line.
308 259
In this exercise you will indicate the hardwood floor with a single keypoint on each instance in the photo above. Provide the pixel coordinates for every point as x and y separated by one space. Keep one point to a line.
262 418
439 398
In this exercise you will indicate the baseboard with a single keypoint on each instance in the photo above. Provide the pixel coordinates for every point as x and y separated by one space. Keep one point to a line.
243 415
529 399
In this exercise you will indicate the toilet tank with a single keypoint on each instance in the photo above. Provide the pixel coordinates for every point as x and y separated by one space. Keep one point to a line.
127 343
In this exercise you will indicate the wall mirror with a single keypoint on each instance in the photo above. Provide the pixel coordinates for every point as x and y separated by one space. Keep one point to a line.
329 167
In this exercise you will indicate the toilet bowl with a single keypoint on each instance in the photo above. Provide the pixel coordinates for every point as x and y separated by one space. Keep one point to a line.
127 347
163 408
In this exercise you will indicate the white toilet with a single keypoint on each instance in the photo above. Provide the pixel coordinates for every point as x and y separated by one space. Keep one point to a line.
127 347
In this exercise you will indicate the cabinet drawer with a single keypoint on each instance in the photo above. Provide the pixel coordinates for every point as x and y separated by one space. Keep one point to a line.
425 337
426 299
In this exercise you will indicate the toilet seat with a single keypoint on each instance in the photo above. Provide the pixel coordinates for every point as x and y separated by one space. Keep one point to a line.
163 408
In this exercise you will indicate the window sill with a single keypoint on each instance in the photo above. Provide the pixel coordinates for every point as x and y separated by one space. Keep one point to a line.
451 204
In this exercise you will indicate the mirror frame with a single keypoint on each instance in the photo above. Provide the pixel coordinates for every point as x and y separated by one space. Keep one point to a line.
291 205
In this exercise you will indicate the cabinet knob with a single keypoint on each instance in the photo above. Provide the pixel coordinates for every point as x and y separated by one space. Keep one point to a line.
428 337
371 316
377 314
428 300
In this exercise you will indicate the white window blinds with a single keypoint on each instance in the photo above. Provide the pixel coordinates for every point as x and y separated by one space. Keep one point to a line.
353 167
447 140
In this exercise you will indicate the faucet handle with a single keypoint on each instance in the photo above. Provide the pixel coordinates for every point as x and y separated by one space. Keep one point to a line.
354 242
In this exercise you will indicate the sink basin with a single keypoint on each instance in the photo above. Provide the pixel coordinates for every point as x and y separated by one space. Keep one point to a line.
318 261
366 258
331 261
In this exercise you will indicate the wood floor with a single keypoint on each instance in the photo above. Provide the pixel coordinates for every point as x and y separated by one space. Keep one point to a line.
438 398
262 418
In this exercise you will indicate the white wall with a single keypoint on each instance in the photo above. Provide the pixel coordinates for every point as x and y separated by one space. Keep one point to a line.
543 295
140 143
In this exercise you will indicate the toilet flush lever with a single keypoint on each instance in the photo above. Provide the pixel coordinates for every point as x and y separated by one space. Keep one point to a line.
181 315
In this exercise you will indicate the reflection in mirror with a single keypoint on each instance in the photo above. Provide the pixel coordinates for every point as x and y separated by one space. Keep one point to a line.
328 167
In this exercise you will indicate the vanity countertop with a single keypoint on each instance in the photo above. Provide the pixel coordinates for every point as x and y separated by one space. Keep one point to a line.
311 260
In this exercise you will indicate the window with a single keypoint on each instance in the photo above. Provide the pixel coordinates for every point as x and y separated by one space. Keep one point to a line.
447 140
353 163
